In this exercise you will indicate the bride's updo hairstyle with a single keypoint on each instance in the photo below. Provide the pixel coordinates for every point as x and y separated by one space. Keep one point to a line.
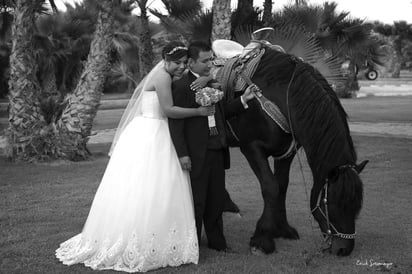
173 51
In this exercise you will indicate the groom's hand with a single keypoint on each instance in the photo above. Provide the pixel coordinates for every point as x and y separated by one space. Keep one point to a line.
185 163
249 93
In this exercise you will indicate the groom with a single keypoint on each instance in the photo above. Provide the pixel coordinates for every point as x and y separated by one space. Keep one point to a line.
205 156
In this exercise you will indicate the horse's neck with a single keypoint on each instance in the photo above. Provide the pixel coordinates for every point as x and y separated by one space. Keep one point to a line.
321 167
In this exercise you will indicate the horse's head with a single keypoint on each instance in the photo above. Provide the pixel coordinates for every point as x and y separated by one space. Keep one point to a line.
337 205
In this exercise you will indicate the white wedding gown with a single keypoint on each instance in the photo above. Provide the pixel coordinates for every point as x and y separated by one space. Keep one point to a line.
142 215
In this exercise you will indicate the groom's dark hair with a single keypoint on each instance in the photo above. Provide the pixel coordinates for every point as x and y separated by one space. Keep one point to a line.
197 46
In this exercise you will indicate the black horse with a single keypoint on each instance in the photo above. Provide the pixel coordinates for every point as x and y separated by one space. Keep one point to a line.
318 123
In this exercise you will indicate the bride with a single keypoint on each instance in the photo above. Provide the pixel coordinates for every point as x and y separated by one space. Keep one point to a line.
142 214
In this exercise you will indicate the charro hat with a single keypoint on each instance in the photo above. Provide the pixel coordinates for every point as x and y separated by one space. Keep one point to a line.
226 49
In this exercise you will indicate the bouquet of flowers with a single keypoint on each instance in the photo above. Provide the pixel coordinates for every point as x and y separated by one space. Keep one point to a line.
208 96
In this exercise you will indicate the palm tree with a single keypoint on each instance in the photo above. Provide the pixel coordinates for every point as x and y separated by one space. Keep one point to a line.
62 48
76 121
339 35
197 24
246 16
181 8
25 120
221 22
401 35
6 20
267 12
185 20
145 48
300 2
244 11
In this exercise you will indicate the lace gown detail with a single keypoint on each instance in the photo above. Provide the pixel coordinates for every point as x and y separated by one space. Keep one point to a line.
142 214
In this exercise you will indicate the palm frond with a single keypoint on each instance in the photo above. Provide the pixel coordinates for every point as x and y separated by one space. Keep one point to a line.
198 25
121 72
122 41
171 24
179 8
298 42
243 34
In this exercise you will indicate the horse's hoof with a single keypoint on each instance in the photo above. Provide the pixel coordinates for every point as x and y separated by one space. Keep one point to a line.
263 243
291 233
287 232
256 251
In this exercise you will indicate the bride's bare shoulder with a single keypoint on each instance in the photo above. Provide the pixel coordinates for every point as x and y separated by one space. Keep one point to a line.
160 78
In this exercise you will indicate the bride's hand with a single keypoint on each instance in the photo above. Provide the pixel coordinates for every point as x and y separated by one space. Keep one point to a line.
200 82
206 111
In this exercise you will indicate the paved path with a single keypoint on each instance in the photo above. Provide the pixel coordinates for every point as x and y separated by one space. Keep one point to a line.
400 130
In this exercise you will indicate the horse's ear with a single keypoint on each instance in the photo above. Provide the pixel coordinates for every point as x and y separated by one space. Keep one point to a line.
361 166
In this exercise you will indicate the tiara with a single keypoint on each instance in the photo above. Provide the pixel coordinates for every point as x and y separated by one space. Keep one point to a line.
176 49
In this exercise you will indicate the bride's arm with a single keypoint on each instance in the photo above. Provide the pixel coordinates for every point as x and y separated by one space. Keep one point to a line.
163 87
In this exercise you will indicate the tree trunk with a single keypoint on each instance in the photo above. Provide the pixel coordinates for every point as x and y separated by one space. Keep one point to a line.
350 86
267 12
245 5
221 25
25 120
397 45
77 118
145 47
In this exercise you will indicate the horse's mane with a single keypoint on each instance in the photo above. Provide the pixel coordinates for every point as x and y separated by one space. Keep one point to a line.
349 197
318 119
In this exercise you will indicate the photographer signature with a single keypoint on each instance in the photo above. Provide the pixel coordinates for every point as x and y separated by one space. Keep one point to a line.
372 263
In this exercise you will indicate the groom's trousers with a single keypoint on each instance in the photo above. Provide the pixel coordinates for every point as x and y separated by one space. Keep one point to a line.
208 189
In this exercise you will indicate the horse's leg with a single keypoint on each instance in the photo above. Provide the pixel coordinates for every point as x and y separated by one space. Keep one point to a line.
282 169
263 236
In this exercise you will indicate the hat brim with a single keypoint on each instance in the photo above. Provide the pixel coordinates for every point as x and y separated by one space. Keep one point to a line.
226 49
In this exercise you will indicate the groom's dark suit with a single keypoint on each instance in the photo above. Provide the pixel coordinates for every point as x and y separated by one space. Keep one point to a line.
209 157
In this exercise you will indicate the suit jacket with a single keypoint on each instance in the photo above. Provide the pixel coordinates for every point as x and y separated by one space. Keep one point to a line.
190 136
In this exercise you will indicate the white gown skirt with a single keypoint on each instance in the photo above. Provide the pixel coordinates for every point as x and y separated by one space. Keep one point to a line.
142 215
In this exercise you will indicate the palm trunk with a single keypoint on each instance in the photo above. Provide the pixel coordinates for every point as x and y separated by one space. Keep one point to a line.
76 122
221 20
25 119
350 86
267 12
48 83
145 47
398 57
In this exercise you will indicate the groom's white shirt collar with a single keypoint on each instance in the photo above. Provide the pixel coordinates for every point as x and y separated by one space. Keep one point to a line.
194 73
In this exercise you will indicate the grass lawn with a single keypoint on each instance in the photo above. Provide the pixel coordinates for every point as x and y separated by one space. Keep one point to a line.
42 205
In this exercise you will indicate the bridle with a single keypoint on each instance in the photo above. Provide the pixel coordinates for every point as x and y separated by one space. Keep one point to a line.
331 229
